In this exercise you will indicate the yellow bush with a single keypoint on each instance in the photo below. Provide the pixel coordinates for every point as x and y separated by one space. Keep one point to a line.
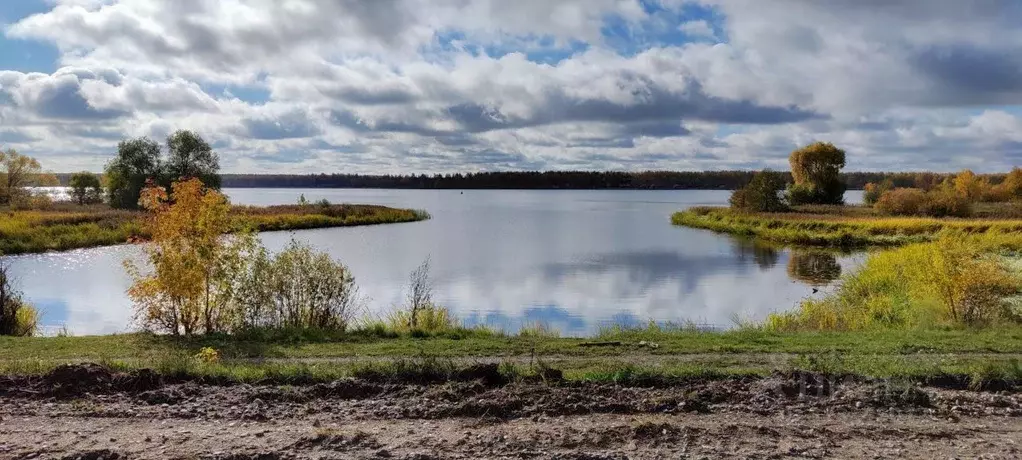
26 321
902 201
954 281
939 202
208 355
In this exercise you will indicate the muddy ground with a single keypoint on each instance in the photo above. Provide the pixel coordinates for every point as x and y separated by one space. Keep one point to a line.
87 412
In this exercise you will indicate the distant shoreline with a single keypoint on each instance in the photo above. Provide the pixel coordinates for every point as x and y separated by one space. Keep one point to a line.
550 180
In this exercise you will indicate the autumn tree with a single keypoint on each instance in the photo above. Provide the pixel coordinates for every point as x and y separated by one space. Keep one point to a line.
17 173
926 181
970 186
194 265
137 163
816 170
86 188
1011 188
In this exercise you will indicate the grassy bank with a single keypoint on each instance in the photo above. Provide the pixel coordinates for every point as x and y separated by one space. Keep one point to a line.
839 226
614 355
66 226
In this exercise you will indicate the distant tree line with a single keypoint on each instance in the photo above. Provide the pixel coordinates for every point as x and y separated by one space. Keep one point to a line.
653 180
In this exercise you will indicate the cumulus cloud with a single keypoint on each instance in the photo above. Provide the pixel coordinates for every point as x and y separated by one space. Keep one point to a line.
699 29
409 86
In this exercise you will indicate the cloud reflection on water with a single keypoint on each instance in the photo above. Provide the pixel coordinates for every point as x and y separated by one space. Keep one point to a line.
573 260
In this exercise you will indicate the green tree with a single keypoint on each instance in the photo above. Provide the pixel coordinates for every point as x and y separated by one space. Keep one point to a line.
86 188
137 162
17 172
189 156
816 170
761 195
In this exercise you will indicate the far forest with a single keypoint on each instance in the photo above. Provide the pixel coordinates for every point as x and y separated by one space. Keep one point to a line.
582 180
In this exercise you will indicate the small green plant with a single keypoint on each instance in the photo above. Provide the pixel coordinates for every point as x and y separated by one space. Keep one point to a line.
538 331
208 355
427 320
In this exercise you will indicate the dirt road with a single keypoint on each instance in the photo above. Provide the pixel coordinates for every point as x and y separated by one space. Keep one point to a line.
89 413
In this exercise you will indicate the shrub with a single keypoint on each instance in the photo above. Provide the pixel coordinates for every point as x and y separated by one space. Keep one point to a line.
944 203
27 201
902 201
873 191
760 195
800 194
939 202
951 282
1011 188
296 289
208 355
16 317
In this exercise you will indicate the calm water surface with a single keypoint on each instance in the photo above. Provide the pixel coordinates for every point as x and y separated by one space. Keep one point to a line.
574 260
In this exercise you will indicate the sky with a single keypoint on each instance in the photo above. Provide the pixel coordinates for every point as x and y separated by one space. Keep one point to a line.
438 86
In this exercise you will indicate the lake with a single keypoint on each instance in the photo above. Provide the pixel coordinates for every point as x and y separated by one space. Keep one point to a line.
574 260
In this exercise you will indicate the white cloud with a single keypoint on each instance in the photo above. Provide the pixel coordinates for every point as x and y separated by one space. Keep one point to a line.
404 85
698 29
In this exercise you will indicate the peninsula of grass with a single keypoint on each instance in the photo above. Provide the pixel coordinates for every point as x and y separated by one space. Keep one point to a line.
846 226
615 355
66 226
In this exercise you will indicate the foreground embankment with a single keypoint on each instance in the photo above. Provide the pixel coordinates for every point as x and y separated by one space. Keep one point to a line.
91 412
626 393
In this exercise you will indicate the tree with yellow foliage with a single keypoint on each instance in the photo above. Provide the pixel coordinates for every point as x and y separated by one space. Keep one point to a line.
967 184
17 172
970 186
194 263
1011 188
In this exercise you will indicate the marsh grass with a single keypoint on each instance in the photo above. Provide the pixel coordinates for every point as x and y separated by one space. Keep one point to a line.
841 226
66 226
